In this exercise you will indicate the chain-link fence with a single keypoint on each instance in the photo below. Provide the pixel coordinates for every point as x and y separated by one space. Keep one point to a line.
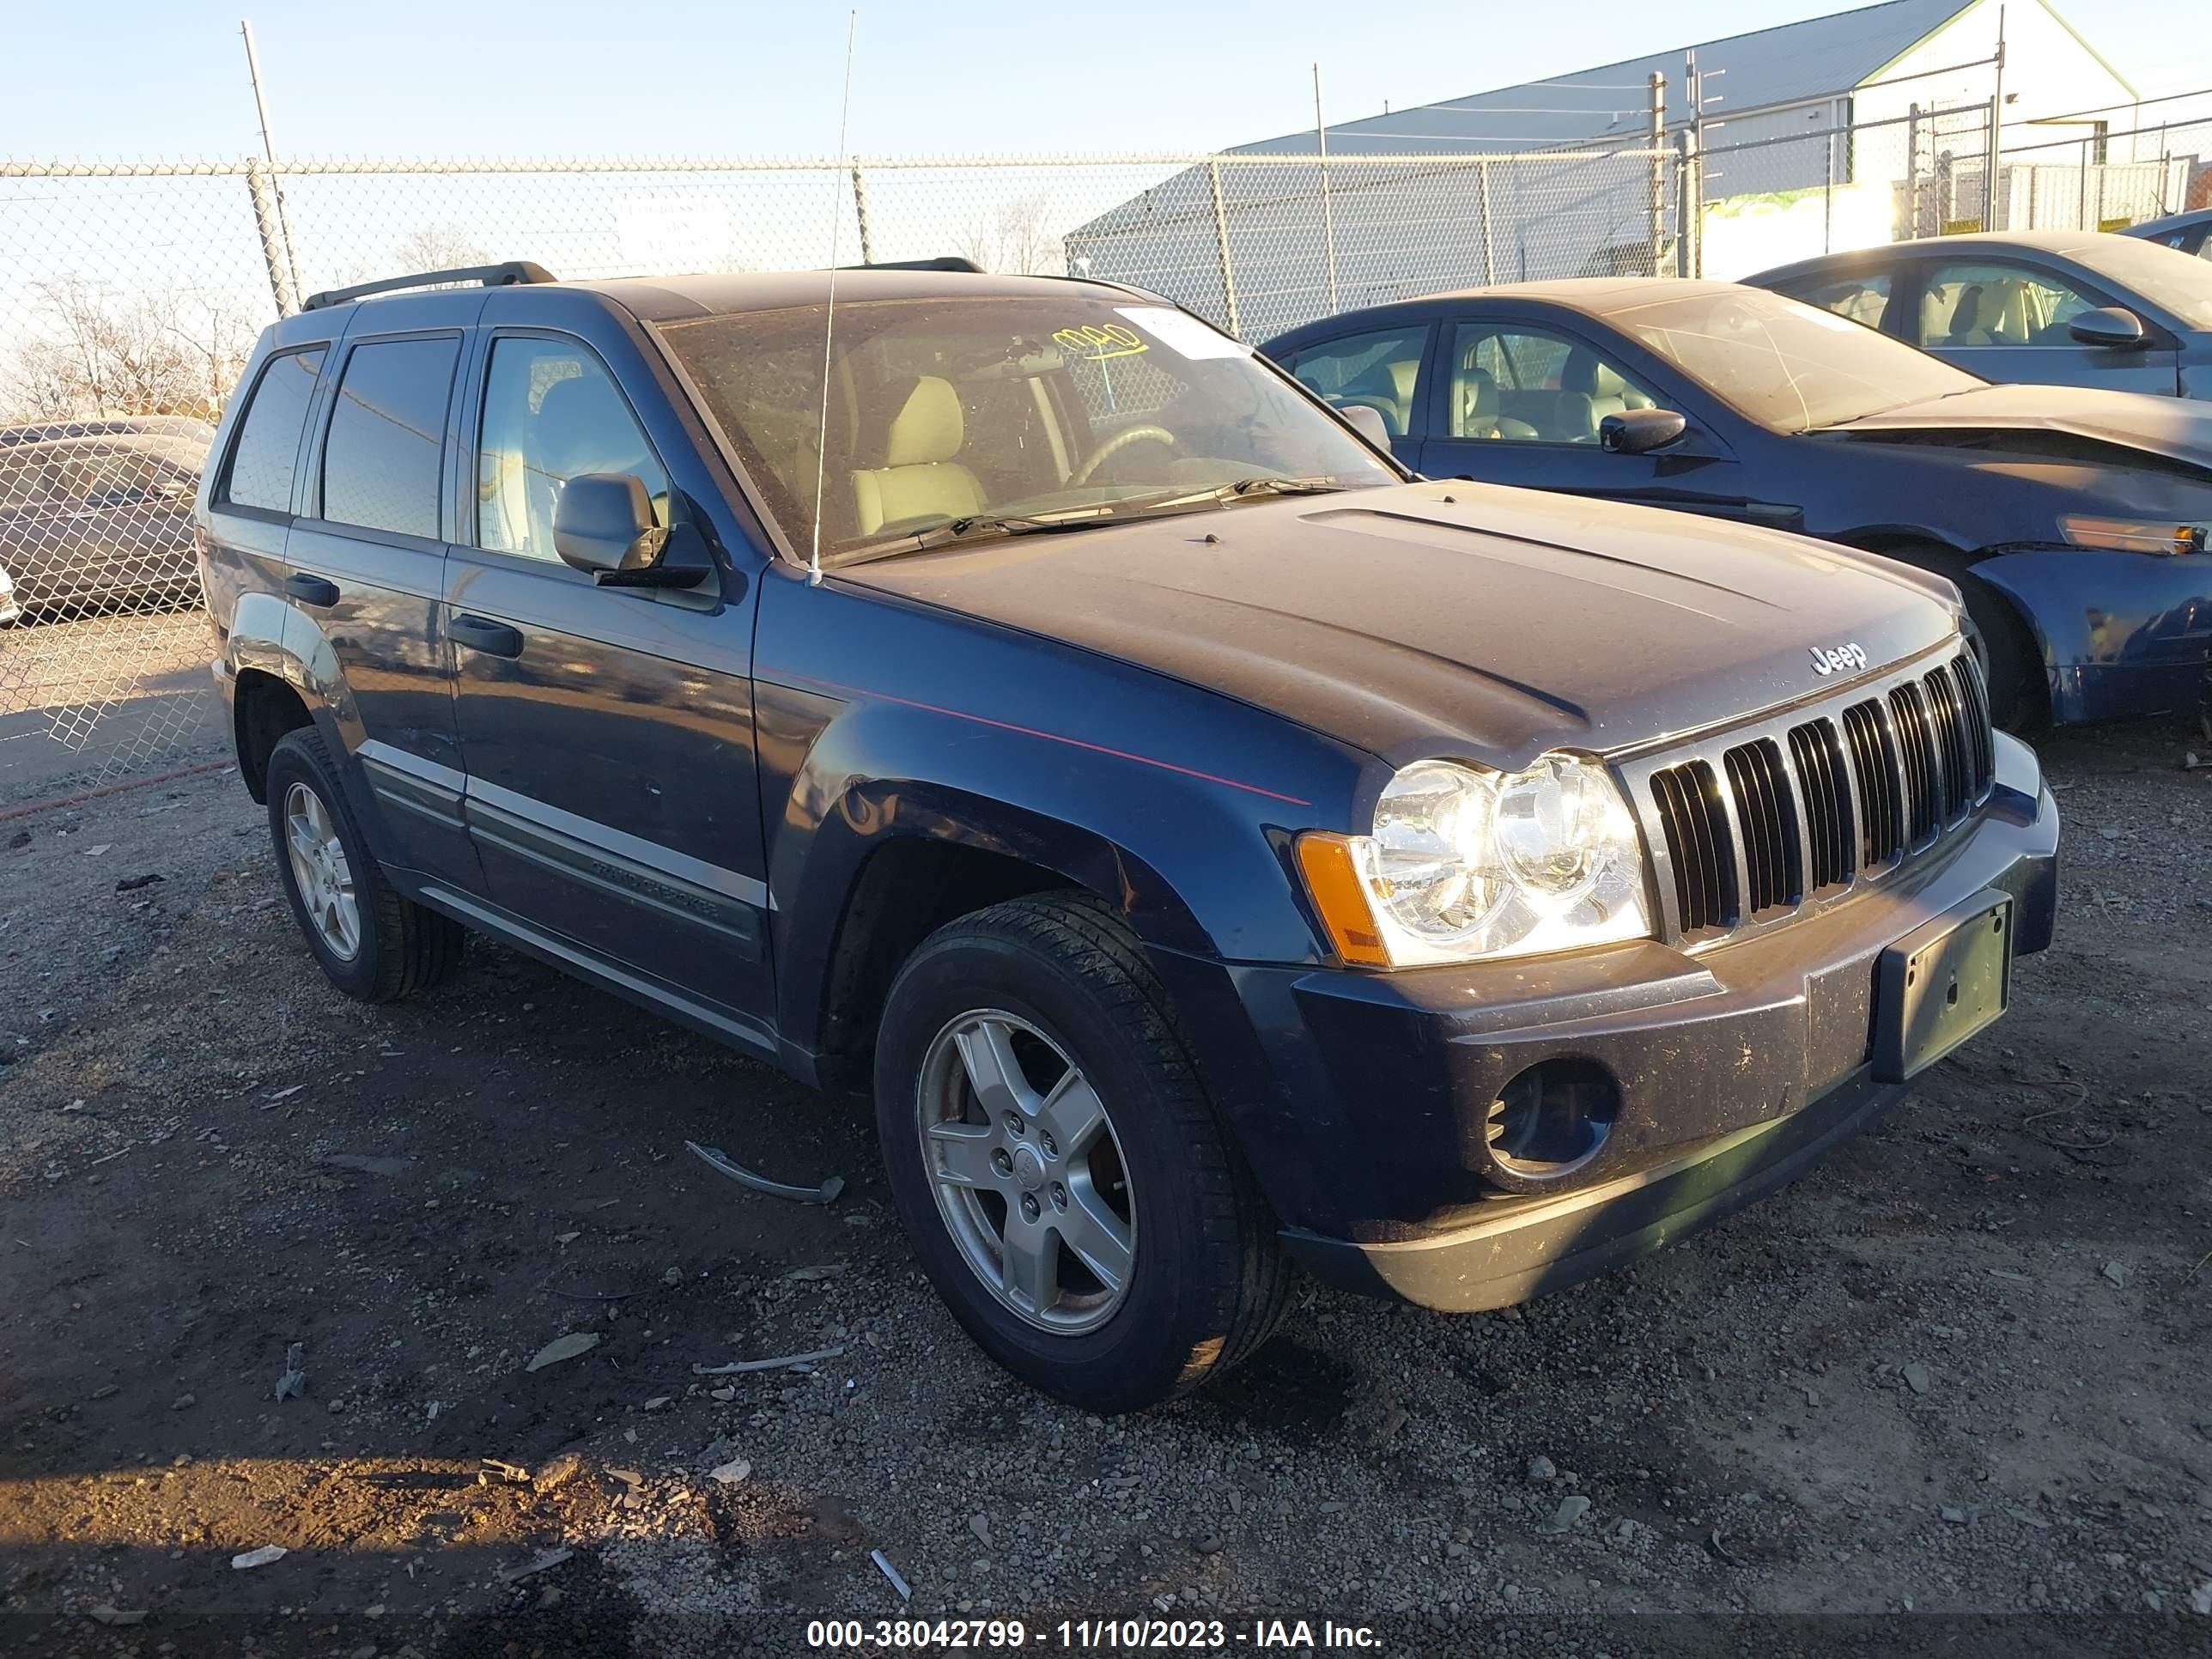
131 294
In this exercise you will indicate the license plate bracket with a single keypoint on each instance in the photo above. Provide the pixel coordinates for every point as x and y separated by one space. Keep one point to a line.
1941 983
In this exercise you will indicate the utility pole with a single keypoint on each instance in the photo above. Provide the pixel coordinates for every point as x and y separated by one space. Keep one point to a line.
268 151
1327 208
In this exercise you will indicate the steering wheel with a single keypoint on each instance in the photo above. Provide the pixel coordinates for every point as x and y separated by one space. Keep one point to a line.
1120 441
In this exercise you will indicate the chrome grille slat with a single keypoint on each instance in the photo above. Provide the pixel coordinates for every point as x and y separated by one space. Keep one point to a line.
1752 826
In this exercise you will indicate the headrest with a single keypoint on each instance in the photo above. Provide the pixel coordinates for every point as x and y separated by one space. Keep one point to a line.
1402 376
582 425
1478 392
927 428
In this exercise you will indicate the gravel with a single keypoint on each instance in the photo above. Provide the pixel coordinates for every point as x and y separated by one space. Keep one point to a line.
208 1157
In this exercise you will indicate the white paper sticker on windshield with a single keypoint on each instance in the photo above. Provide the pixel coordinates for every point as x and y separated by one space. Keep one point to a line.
1179 332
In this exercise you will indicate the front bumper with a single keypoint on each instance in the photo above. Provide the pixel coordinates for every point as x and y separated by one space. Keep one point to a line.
1737 1068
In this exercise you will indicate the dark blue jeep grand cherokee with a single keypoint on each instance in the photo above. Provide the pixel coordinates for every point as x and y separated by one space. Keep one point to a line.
1215 846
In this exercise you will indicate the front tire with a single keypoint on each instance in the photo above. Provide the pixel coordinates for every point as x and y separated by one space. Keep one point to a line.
371 943
1059 1167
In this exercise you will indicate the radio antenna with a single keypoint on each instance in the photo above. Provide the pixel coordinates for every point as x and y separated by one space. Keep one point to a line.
830 314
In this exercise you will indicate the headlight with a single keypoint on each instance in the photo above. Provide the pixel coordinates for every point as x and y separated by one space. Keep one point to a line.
2133 535
1464 864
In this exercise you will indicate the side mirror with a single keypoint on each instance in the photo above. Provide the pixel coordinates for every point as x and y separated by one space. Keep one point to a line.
2112 326
1634 431
1368 422
604 523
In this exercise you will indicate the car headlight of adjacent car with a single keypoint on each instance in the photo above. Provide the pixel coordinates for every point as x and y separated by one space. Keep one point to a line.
1465 864
2134 535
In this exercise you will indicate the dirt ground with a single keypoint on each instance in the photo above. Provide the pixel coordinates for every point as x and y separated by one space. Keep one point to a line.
1948 1393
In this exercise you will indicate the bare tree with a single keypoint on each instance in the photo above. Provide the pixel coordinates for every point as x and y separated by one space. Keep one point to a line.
103 354
1017 238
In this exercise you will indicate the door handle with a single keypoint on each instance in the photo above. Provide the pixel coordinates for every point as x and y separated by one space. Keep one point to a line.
311 590
492 639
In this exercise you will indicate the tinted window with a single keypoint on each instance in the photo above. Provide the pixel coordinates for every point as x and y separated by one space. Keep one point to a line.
1976 303
1783 364
1379 371
1862 298
387 430
550 412
262 462
1533 387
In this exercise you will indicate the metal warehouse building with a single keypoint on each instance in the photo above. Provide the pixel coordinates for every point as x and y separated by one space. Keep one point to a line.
1857 127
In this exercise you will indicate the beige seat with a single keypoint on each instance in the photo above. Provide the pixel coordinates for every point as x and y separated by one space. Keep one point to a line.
919 479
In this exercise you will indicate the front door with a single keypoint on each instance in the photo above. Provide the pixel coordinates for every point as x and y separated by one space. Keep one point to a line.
2007 321
367 563
608 730
1522 405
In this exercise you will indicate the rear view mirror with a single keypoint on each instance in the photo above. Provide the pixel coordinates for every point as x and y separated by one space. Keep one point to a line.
604 523
1633 431
1368 423
2112 326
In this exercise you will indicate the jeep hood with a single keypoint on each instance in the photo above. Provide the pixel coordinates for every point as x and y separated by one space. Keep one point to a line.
1421 618
2103 424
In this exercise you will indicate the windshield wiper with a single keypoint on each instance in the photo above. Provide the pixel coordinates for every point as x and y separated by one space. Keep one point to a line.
980 526
1245 489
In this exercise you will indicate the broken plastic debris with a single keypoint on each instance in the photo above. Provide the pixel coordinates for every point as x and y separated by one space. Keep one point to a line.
737 1366
733 1471
564 1347
539 1563
806 1275
293 1381
260 1558
719 1161
108 1614
884 1567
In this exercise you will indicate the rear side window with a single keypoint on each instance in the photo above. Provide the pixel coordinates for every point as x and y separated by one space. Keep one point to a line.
380 461
263 461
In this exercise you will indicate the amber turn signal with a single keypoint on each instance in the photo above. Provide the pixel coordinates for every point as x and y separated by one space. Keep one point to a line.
1341 898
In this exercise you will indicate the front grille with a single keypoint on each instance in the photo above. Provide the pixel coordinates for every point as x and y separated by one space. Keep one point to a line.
1810 809
1698 844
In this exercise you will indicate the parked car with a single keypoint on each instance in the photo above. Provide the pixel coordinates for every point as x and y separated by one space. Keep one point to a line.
2187 232
1215 848
2056 307
94 514
2073 521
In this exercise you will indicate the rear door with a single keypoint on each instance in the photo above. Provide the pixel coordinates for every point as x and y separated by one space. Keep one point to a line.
2006 319
368 559
1522 402
608 731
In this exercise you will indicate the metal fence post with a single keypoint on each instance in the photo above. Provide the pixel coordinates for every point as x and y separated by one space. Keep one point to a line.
860 213
1489 242
1221 249
1690 207
265 222
1658 168
269 149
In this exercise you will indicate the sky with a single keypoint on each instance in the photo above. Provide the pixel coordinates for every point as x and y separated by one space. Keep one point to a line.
698 78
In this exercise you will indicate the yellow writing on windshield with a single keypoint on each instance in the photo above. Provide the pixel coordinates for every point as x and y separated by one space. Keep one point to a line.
1091 344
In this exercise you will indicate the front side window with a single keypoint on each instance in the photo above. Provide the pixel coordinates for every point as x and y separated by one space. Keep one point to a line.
947 415
551 412
1966 303
268 447
1380 371
1862 298
1530 386
380 462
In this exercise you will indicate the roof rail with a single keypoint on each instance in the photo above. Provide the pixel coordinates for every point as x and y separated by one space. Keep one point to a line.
942 261
514 271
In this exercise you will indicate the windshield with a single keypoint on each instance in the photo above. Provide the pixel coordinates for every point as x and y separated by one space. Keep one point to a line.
945 413
1786 365
2179 282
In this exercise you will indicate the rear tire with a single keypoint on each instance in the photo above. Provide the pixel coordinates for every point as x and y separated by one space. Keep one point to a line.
1162 1268
371 943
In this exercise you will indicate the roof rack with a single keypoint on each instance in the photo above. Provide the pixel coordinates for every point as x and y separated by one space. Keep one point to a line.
499 275
942 261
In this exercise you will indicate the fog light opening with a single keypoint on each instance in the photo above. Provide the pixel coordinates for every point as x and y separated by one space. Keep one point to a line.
1552 1119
